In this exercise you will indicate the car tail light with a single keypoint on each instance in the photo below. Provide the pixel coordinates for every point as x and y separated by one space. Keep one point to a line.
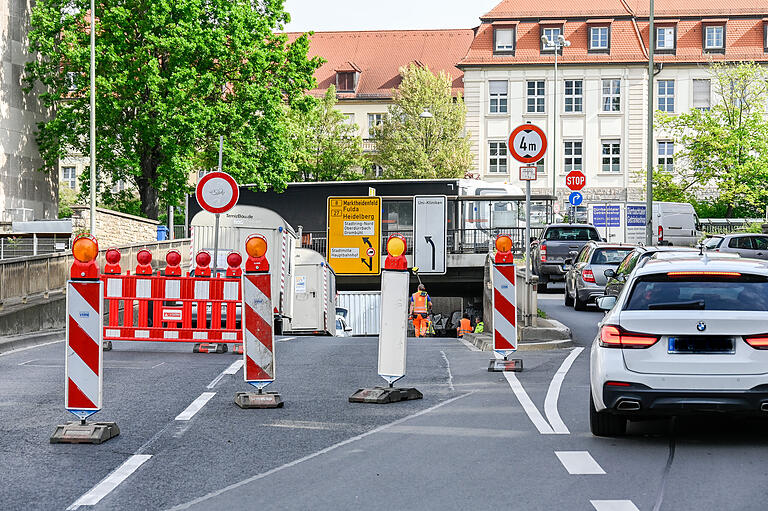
543 251
661 233
618 384
612 336
588 276
759 342
703 274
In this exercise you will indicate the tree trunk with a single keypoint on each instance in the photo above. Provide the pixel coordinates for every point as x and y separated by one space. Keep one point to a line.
729 211
150 205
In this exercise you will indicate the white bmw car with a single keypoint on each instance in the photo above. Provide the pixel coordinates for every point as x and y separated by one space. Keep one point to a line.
684 336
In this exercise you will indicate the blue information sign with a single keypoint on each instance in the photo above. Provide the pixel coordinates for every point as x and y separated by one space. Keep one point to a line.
576 199
606 216
636 216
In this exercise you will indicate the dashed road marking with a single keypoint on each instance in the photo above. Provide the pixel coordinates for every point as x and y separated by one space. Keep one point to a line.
195 406
112 481
232 369
613 505
448 368
579 463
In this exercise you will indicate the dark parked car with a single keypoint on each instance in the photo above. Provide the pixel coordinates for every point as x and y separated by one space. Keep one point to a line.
586 279
616 278
557 241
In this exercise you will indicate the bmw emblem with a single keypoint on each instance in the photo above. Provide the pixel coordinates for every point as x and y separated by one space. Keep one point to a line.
701 326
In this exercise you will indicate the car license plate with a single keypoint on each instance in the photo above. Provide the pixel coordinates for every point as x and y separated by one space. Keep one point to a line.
700 344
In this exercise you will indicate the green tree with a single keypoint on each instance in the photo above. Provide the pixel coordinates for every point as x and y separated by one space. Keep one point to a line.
410 145
172 75
325 147
725 148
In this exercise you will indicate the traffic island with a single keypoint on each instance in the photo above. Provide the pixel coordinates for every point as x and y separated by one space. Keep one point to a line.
83 432
546 335
384 395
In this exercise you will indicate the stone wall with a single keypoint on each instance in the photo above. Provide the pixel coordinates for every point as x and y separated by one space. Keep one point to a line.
114 228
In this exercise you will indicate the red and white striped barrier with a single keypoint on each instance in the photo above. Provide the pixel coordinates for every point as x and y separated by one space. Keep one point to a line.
84 359
282 267
325 296
259 353
504 308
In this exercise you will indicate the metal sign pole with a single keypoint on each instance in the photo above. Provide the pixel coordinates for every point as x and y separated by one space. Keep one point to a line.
528 250
216 228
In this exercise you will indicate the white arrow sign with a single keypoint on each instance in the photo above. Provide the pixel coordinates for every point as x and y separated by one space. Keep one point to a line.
430 233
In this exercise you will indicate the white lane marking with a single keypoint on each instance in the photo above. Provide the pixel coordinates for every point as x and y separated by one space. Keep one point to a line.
232 369
348 441
27 362
17 350
613 505
109 483
525 401
468 344
157 365
448 368
579 462
553 393
284 339
195 406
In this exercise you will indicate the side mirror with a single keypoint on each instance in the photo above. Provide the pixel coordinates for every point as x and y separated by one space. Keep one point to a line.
606 303
534 239
610 273
568 262
603 239
347 328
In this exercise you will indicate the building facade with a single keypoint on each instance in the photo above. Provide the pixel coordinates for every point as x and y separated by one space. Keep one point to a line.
601 94
25 192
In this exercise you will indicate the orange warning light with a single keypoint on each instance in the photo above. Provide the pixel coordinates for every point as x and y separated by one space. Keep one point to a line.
256 246
85 249
503 243
396 246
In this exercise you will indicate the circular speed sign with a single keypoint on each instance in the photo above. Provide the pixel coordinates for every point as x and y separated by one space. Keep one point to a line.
217 192
527 143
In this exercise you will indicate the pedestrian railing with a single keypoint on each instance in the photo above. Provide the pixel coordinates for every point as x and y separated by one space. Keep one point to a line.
24 278
727 225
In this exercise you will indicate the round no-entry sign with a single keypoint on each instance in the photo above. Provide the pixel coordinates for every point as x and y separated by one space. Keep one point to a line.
575 180
527 143
217 192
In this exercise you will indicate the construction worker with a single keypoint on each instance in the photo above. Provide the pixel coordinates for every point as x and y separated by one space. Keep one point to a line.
479 326
465 326
421 304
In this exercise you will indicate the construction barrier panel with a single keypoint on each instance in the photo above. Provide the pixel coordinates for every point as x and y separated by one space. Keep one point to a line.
504 308
259 353
394 324
83 365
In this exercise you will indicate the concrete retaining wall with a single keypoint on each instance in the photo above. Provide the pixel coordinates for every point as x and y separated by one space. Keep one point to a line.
114 228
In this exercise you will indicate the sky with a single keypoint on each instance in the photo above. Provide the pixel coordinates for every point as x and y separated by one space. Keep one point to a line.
380 15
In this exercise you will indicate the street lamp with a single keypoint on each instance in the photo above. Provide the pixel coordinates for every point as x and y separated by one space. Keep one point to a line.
556 45
426 115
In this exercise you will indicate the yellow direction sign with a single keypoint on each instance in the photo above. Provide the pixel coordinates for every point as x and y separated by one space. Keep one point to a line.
354 235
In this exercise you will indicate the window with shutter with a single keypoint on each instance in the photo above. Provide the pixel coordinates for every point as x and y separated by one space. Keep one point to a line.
701 94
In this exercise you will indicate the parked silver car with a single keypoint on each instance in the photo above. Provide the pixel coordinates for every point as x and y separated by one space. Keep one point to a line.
585 280
754 246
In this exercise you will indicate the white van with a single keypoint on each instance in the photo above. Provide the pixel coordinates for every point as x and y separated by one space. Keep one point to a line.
676 224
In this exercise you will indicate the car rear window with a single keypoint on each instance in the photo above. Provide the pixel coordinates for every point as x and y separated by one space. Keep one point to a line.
612 256
571 234
700 292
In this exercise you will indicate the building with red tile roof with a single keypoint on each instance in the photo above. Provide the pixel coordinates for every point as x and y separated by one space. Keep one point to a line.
601 88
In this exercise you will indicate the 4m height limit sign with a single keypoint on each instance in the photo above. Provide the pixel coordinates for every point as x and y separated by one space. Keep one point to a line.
354 235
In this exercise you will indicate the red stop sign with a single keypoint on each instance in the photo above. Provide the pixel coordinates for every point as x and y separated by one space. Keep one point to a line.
575 180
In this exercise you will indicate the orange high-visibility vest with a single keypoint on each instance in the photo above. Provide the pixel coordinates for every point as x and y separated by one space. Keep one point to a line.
419 303
465 327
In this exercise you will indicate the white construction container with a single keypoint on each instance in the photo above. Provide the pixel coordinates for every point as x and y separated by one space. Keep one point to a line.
234 228
364 309
314 306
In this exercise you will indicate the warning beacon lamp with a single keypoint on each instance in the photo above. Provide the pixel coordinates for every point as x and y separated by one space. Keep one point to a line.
85 249
256 248
173 260
203 260
234 260
144 258
396 247
504 250
112 266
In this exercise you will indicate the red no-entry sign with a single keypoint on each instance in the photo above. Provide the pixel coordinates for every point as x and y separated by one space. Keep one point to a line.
217 192
575 180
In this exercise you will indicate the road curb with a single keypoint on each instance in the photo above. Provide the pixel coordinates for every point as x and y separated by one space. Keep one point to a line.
554 336
15 342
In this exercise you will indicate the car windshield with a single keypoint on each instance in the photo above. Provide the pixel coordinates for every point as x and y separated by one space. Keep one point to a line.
571 234
712 243
612 256
700 292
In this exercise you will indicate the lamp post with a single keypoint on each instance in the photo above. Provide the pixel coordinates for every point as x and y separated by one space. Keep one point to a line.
426 115
93 119
556 45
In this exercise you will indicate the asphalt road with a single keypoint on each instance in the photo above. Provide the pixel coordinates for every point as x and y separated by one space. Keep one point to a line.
477 440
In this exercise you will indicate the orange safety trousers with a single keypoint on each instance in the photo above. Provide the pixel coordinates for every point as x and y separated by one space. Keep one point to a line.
420 325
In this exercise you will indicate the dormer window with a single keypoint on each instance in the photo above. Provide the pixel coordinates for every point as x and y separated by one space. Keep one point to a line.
665 39
598 38
713 36
345 81
552 34
504 40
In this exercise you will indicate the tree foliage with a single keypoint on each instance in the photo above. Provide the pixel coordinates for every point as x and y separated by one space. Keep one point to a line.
724 149
325 147
411 146
161 66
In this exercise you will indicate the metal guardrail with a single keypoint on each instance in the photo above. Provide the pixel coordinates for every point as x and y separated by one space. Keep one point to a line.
459 241
23 278
22 246
727 225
